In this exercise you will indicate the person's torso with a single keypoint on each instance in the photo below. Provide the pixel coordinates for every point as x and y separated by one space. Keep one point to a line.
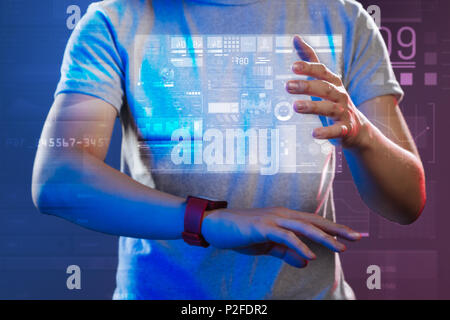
207 114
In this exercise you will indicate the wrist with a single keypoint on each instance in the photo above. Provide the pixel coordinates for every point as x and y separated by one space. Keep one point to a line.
206 225
364 138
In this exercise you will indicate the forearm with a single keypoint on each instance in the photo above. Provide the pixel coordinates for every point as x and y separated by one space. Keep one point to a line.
389 178
83 189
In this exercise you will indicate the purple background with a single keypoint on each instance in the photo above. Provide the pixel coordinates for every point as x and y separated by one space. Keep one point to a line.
414 259
35 249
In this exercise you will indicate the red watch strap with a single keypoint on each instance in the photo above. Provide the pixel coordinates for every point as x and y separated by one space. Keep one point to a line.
193 218
195 209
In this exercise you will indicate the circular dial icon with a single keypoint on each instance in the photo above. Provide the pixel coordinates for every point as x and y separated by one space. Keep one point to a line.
284 111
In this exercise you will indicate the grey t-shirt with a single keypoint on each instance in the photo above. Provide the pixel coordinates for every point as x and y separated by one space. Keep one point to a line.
199 86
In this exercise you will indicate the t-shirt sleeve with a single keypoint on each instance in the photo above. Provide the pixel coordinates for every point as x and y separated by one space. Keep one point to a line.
92 64
368 71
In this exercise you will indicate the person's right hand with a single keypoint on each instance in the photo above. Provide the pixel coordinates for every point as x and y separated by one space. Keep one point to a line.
273 231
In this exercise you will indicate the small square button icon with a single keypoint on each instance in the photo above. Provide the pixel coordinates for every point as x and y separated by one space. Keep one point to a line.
430 58
406 79
431 79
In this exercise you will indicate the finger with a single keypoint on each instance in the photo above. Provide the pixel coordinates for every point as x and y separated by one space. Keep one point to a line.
290 240
312 232
316 88
304 50
339 230
288 255
335 131
324 108
316 70
326 225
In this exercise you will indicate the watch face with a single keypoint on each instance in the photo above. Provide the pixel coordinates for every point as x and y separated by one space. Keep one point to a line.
212 203
206 198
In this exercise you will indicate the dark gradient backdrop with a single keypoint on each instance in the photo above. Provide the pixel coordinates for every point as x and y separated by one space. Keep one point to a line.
35 249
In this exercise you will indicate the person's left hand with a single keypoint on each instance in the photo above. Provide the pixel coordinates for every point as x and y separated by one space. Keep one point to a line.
348 122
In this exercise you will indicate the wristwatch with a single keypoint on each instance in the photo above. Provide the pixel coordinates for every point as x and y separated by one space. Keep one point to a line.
193 218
